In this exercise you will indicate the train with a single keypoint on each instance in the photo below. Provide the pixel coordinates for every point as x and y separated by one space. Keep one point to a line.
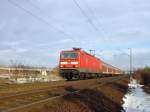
77 63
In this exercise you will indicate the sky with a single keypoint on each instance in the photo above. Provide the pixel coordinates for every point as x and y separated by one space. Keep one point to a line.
33 32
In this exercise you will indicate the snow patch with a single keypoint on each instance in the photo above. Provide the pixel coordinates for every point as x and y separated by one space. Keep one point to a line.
136 100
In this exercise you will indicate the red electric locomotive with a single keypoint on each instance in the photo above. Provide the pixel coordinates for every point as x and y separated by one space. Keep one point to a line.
80 64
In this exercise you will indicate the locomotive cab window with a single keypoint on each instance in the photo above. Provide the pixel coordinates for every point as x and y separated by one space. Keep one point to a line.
71 55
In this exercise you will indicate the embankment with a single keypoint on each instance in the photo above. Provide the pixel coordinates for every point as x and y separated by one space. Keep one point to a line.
104 98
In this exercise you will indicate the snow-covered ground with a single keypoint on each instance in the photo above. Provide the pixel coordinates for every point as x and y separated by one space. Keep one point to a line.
39 79
136 100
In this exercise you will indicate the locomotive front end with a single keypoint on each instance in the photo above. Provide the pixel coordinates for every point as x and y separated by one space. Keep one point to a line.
69 64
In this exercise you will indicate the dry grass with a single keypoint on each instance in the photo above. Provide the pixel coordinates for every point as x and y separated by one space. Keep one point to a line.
106 98
4 71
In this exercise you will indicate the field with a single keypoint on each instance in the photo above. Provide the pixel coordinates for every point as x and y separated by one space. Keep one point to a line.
92 95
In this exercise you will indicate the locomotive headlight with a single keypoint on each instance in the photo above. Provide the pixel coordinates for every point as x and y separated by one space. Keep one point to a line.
63 63
75 63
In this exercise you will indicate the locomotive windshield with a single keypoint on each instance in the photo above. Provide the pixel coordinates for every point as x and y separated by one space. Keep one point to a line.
69 55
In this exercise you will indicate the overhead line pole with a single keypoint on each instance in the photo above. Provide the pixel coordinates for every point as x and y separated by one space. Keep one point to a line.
130 61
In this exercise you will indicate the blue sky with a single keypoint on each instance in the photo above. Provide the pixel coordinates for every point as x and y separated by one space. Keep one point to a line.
116 25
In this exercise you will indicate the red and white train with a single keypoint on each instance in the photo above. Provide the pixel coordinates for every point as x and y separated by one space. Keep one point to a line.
80 64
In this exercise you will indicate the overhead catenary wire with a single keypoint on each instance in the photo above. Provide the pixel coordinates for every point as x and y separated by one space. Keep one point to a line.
38 8
91 11
42 20
85 15
89 20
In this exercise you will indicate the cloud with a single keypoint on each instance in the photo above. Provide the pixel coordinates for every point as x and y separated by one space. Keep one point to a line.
121 24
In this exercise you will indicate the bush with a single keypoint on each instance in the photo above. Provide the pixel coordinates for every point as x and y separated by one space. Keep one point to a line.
144 76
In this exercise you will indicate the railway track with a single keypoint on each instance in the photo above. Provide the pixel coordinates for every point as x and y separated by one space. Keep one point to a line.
15 89
30 99
23 93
